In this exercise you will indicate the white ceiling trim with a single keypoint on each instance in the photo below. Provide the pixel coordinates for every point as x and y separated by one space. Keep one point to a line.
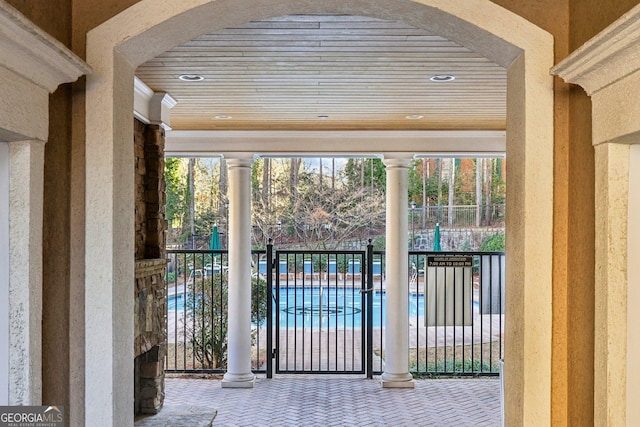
152 107
335 143
606 58
33 54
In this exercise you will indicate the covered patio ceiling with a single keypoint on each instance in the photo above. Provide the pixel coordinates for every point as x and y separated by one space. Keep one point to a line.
329 73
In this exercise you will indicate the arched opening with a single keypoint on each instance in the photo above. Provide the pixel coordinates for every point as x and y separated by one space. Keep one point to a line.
145 30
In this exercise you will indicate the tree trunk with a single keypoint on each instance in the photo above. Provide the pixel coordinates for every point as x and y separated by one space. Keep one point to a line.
192 201
424 193
266 185
439 166
222 187
452 180
294 173
333 174
488 172
478 171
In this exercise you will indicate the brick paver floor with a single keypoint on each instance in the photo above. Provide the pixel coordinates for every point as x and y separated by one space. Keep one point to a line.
329 400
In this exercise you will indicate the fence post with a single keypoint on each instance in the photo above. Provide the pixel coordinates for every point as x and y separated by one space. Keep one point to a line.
270 265
369 310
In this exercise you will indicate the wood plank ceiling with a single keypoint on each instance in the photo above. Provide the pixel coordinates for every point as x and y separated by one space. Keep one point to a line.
328 72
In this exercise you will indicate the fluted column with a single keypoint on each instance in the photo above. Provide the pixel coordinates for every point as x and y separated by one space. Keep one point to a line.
396 369
239 373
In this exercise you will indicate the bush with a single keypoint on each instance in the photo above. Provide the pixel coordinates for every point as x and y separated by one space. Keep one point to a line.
493 243
207 312
171 277
379 243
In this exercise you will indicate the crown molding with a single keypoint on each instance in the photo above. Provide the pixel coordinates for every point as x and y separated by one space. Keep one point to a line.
152 107
610 56
33 54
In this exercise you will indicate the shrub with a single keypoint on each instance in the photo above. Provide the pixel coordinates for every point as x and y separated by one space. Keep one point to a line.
493 243
207 317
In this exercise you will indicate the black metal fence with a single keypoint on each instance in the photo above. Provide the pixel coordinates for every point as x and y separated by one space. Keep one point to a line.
456 313
197 291
328 311
460 216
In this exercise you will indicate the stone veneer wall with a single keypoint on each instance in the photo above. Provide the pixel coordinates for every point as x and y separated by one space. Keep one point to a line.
150 191
150 335
150 299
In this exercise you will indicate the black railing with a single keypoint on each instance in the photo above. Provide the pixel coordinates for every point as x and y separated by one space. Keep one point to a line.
197 311
456 313
328 311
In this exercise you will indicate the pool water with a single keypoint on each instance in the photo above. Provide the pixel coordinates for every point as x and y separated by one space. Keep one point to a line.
326 307
333 307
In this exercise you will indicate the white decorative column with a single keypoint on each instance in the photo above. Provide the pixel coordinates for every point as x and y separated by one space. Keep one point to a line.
26 170
396 334
239 373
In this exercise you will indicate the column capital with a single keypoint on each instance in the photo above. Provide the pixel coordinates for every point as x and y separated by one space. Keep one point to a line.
397 160
239 160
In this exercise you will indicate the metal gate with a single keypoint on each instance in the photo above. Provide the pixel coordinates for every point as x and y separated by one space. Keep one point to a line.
318 312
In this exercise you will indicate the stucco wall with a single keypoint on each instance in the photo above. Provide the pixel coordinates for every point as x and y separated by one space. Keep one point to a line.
571 22
56 244
587 18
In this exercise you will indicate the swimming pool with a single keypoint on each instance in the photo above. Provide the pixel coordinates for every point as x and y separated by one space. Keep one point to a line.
325 307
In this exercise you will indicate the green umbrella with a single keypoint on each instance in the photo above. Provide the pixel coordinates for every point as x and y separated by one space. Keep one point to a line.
436 239
214 244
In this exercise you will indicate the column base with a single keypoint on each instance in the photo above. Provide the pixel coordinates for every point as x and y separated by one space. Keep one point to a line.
397 381
238 381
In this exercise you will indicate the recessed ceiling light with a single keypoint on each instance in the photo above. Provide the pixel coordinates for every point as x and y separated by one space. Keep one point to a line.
442 78
323 117
222 117
190 78
415 116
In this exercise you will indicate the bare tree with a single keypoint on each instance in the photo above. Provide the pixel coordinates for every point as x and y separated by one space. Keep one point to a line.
327 220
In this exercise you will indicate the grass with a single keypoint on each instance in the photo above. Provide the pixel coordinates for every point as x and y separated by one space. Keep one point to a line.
454 360
467 359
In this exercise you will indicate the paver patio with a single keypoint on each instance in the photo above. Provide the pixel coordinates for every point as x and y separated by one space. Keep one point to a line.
329 400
